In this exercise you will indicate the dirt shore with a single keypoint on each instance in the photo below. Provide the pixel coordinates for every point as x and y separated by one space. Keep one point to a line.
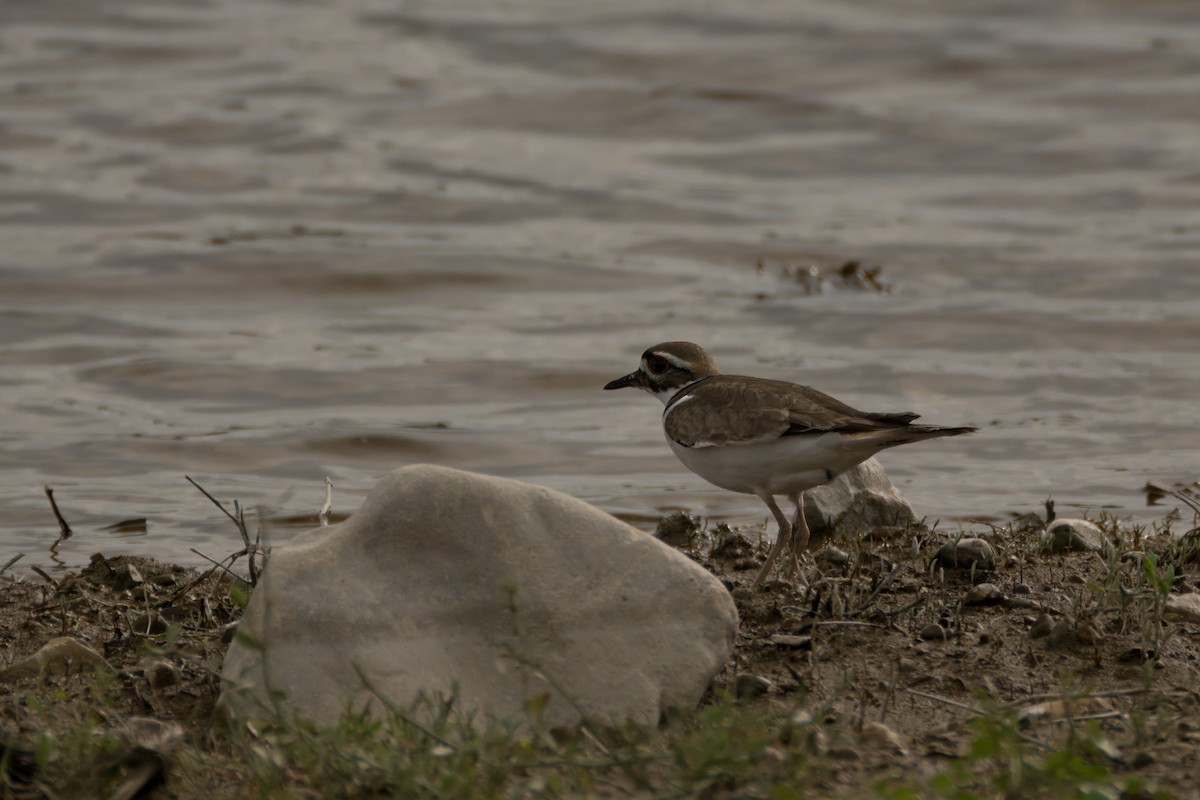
879 660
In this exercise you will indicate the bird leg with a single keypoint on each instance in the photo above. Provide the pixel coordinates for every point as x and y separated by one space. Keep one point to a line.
784 536
799 533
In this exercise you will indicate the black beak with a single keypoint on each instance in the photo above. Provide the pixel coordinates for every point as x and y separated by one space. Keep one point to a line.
632 379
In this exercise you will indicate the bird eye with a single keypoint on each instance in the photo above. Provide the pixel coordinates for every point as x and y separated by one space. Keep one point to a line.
658 365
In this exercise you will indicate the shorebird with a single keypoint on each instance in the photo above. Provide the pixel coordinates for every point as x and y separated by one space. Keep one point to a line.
764 437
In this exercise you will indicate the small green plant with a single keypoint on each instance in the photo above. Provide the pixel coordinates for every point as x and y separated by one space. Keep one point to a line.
1160 582
1003 761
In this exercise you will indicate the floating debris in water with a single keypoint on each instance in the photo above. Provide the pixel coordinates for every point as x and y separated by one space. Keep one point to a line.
295 231
1189 494
816 278
135 525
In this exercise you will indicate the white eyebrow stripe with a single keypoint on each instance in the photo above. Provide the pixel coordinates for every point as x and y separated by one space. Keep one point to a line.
679 362
676 404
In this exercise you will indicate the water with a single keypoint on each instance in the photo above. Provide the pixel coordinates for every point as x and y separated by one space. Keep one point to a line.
262 243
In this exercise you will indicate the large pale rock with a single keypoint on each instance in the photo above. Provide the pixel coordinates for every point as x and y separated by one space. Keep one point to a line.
447 582
858 500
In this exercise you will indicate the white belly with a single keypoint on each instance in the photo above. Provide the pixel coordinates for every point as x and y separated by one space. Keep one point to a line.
784 466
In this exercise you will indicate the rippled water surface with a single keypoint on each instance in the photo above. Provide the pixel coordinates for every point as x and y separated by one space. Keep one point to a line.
262 243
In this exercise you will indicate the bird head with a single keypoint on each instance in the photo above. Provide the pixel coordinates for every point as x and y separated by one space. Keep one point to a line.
668 367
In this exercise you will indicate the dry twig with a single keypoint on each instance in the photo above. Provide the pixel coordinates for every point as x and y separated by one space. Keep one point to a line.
62 523
238 517
10 562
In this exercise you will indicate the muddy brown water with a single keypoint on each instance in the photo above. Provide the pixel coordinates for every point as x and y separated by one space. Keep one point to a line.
264 243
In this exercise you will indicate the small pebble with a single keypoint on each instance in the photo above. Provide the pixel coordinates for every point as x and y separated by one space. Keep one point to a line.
879 735
1061 631
1031 714
161 673
1185 606
966 552
1136 655
1143 760
148 625
747 685
803 731
127 576
983 594
1042 626
832 556
98 569
62 654
933 633
1089 632
1028 522
771 751
1022 588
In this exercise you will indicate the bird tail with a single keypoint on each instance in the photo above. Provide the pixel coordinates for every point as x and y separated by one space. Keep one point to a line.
934 431
890 437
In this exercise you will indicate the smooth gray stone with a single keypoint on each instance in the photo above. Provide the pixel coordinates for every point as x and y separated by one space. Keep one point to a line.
857 501
1185 606
496 591
983 594
1064 535
966 553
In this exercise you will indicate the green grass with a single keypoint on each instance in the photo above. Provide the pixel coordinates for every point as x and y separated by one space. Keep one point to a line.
720 750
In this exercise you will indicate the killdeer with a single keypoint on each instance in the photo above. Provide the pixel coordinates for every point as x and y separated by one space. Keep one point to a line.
763 437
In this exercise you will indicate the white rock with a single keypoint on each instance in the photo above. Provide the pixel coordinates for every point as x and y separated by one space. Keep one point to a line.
858 500
447 582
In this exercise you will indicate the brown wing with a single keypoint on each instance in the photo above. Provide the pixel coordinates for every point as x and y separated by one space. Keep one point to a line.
727 409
